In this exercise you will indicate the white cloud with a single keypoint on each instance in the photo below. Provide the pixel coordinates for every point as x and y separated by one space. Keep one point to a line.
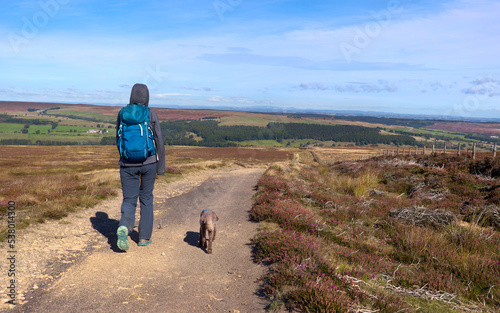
465 33
357 87
485 86
312 86
197 88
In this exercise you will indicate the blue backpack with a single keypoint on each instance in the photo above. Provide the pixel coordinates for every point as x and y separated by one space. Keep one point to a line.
135 136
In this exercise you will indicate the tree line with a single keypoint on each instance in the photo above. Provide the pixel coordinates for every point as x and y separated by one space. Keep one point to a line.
210 133
5 118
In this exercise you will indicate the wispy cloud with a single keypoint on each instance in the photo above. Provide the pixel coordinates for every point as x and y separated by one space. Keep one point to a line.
356 87
485 86
72 95
197 88
312 86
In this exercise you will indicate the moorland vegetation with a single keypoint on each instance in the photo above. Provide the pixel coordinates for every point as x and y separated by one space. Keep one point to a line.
386 234
389 233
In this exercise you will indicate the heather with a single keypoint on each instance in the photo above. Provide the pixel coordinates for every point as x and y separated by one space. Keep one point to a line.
49 183
387 234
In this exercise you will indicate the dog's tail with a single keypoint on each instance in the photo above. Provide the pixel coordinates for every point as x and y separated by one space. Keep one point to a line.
210 226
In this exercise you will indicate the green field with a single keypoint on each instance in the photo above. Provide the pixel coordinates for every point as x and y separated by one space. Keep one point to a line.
8 135
252 121
261 120
77 129
41 129
423 131
10 127
61 133
91 115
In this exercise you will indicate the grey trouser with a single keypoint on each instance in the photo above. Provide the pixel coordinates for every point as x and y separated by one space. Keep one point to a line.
138 182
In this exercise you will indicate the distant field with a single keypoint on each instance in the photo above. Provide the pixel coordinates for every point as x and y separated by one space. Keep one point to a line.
422 132
96 116
77 119
233 154
11 135
67 128
177 115
67 138
38 128
253 119
14 106
480 128
261 143
10 127
291 143
334 154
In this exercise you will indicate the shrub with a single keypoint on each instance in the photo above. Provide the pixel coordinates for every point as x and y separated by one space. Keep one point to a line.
172 170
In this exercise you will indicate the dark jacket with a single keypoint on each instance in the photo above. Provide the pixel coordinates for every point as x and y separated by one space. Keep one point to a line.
140 94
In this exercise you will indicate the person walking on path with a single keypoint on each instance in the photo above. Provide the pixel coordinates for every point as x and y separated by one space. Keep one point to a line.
138 178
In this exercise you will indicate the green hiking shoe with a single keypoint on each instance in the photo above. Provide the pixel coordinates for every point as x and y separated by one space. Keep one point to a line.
144 242
122 234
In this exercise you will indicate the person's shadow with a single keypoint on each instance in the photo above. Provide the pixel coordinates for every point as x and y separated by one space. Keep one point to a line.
107 227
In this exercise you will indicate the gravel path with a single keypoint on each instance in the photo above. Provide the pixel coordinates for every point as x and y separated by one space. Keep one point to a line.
73 265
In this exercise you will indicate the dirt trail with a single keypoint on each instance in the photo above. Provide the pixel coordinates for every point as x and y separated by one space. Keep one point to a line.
80 269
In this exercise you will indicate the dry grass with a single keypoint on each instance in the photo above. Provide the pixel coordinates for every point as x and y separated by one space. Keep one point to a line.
334 154
358 186
50 182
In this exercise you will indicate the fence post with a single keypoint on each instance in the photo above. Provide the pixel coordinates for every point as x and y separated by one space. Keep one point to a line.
495 149
433 148
445 148
474 151
423 152
458 149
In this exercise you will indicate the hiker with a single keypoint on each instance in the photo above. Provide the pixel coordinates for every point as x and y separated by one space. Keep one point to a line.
138 175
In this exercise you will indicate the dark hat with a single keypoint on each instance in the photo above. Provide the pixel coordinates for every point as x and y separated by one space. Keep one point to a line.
139 94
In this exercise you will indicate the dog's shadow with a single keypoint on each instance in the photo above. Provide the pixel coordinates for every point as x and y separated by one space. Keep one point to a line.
107 227
192 238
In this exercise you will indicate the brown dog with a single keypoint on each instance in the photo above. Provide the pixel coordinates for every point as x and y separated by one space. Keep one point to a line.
208 223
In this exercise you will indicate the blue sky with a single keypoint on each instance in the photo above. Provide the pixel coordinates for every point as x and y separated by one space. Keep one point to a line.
401 56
